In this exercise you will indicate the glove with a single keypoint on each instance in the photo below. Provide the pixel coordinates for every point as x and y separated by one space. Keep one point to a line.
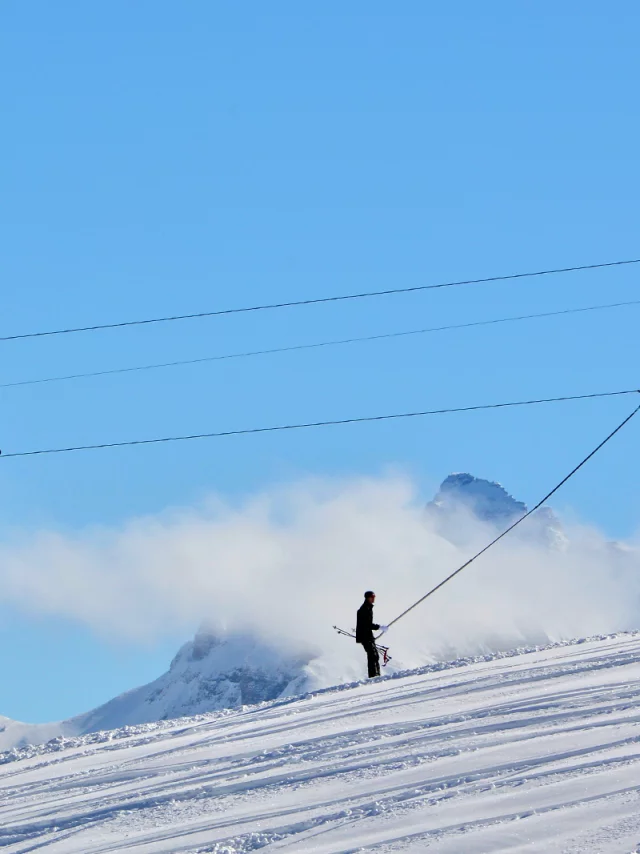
384 629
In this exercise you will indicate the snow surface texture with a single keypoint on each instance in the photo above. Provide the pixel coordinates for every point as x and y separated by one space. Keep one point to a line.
534 595
537 753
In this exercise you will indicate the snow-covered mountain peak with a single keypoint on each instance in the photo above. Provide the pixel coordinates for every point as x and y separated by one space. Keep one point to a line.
463 496
209 673
488 501
237 669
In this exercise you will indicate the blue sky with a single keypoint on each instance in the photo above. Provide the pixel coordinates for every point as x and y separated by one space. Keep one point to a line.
162 158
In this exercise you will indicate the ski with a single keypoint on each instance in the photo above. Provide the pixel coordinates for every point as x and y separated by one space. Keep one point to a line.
343 632
386 658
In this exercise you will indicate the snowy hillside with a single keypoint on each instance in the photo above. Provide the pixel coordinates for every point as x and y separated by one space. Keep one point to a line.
535 753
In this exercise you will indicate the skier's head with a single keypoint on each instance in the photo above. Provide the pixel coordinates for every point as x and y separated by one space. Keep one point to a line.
369 596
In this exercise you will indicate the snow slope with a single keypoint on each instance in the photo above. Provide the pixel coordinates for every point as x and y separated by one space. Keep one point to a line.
537 752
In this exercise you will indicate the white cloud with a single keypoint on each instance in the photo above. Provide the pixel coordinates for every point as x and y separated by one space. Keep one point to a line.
294 561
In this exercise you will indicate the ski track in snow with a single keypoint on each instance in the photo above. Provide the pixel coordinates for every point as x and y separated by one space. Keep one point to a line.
538 752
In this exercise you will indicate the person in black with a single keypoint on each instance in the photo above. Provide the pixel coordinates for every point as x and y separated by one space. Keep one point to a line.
365 628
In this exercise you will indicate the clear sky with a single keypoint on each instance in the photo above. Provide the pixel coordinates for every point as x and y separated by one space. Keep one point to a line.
161 157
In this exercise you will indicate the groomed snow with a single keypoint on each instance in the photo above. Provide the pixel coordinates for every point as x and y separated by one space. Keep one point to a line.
538 752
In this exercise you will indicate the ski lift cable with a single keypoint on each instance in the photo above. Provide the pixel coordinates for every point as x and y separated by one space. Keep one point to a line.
303 426
518 521
318 300
314 345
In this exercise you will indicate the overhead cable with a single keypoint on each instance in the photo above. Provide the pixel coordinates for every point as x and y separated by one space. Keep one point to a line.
317 344
518 521
318 300
307 425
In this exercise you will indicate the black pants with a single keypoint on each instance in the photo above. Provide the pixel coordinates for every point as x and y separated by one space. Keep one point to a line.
373 659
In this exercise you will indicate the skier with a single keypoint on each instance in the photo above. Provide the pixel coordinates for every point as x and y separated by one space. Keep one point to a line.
365 628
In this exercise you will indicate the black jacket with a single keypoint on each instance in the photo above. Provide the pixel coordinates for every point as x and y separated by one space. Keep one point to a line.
365 626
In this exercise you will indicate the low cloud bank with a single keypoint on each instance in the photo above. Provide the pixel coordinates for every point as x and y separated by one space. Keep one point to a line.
288 564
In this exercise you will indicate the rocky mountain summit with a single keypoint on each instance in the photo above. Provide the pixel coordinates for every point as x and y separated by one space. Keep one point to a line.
463 500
